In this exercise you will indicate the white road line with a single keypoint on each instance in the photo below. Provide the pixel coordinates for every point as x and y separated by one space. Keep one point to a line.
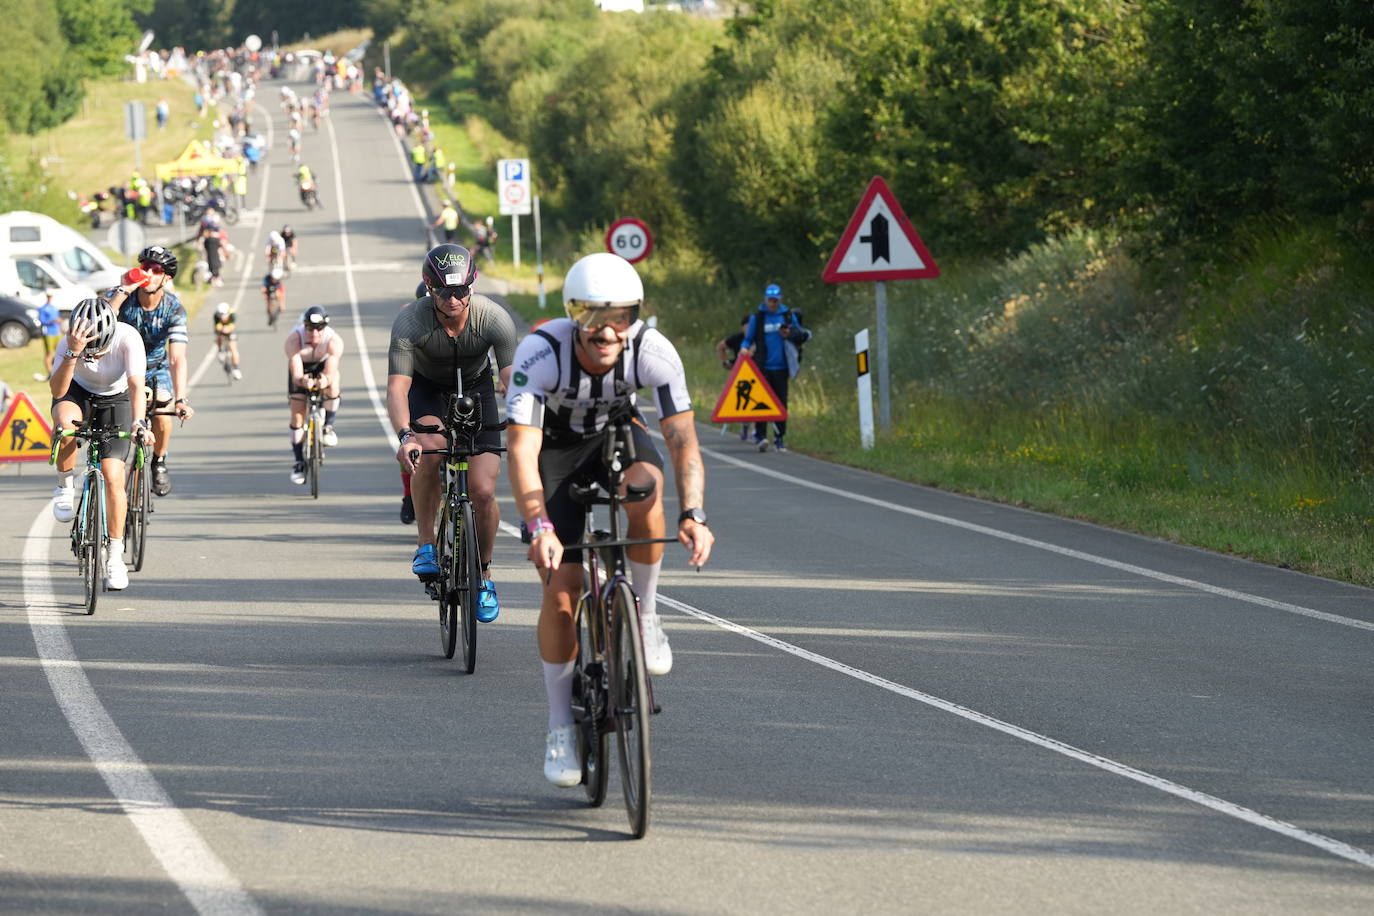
187 859
247 256
1052 548
369 378
1324 843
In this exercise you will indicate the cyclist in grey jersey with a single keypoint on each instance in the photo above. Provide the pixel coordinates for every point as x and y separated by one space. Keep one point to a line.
570 375
450 328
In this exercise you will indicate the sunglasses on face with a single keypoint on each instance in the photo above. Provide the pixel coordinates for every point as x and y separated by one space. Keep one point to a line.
150 267
451 292
594 318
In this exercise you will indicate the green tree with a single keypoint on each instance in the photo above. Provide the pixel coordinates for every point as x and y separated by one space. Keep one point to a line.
101 32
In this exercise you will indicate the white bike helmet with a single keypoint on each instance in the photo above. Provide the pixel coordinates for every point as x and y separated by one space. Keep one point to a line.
103 321
222 309
602 280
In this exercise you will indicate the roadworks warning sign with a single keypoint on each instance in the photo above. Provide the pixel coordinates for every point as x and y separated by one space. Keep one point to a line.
747 397
24 434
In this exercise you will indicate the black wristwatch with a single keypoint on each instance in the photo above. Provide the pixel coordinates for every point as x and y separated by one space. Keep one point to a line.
404 434
696 515
181 401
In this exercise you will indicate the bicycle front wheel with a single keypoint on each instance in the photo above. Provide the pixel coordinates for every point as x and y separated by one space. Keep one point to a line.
135 517
633 705
316 457
589 707
469 564
92 557
448 590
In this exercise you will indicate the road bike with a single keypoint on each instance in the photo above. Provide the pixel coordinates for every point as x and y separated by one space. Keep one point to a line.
458 586
138 486
90 535
226 358
274 306
611 687
314 437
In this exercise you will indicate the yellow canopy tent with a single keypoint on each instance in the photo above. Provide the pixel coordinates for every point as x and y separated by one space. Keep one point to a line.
196 160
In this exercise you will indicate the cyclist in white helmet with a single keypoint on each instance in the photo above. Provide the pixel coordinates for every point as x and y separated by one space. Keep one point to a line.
98 374
571 375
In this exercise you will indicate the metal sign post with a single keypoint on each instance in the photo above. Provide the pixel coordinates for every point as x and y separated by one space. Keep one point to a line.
538 252
136 128
884 366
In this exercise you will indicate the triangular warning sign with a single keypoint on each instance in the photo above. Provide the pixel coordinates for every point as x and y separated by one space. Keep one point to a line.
747 397
24 434
879 243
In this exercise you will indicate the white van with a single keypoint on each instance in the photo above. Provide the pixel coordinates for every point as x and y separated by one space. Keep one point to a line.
30 277
77 258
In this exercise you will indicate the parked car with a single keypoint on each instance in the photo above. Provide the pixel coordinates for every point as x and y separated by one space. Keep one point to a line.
18 323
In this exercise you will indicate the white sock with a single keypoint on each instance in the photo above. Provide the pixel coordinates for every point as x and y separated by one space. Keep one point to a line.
117 548
558 685
644 578
66 479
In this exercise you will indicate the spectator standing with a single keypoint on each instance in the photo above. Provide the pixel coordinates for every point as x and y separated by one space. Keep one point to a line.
775 332
163 112
450 219
210 243
51 319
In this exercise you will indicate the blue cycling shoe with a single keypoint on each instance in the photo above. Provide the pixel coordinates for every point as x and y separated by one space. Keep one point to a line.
425 563
488 608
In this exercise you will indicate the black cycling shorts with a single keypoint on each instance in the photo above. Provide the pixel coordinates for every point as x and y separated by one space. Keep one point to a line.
106 410
563 463
429 399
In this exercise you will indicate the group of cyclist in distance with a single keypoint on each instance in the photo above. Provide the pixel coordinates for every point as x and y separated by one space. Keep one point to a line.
562 383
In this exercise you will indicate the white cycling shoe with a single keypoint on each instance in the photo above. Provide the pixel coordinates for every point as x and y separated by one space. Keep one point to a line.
116 573
329 437
561 766
64 503
658 655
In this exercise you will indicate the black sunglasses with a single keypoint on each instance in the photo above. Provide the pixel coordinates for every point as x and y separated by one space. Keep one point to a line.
451 292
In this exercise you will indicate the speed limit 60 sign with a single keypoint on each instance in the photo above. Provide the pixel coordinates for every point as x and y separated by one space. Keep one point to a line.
630 239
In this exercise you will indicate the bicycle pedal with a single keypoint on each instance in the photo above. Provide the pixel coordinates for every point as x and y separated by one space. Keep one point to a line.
657 709
432 588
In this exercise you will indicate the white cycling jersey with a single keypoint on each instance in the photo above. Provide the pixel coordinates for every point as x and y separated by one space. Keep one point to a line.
110 373
329 344
551 390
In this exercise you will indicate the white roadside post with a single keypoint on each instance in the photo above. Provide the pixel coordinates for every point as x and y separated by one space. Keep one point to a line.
538 252
889 248
513 190
865 389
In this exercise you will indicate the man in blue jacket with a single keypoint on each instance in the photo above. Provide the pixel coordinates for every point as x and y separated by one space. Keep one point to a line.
774 332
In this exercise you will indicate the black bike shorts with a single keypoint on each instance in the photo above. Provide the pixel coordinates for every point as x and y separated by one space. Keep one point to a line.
563 463
105 410
429 399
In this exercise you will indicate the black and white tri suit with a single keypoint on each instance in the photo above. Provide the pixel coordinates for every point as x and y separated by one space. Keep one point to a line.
550 390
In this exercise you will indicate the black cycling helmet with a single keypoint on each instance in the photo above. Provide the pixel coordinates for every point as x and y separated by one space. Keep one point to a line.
102 318
315 318
421 291
449 265
156 254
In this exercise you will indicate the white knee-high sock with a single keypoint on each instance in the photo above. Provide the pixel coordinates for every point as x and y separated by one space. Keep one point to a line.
644 577
558 685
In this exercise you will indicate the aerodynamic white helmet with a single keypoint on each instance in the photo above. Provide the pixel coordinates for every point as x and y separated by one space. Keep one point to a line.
603 280
222 309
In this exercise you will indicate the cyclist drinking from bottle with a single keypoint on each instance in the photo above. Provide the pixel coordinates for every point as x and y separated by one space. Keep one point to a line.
571 375
156 313
101 357
450 329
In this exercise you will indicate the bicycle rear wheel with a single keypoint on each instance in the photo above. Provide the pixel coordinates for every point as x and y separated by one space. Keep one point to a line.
316 456
589 706
633 705
92 558
448 581
469 569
